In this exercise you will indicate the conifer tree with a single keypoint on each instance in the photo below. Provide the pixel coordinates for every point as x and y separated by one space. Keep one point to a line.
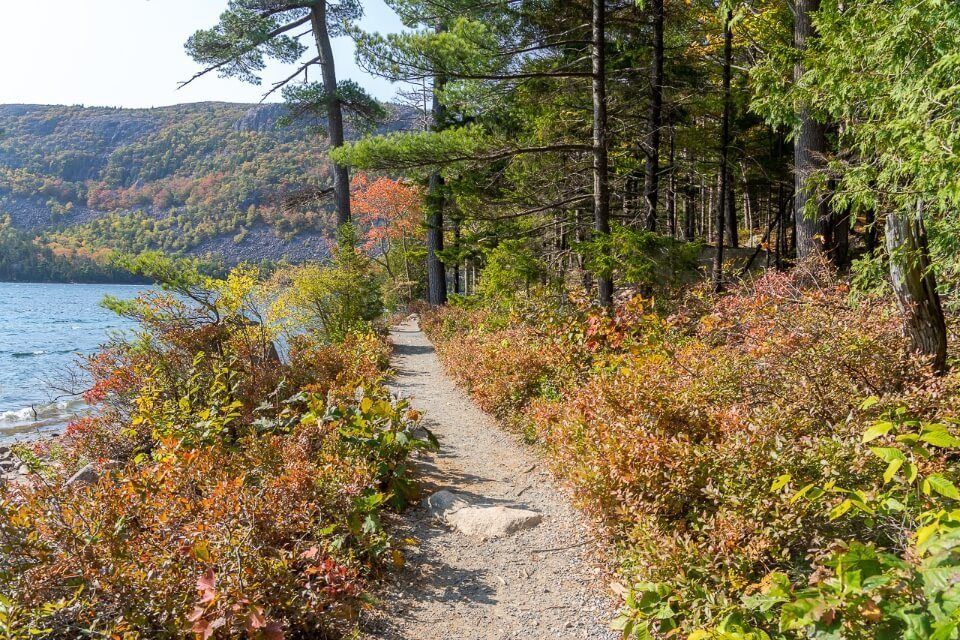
251 31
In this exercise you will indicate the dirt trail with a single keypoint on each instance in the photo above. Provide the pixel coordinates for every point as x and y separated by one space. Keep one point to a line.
535 584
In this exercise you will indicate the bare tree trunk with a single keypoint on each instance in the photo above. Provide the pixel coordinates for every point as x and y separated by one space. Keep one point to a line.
601 177
810 146
436 271
724 149
651 190
341 174
916 287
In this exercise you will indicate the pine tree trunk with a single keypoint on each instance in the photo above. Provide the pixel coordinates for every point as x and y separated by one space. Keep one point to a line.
651 190
456 264
601 178
733 222
810 146
436 271
328 71
689 215
915 285
672 187
871 230
724 150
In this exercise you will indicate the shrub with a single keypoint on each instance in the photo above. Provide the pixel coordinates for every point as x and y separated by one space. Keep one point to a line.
672 427
335 300
239 495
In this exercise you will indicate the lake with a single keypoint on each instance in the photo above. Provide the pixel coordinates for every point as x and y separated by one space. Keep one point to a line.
44 328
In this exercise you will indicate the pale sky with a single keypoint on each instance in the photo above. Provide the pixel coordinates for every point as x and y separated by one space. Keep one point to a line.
129 53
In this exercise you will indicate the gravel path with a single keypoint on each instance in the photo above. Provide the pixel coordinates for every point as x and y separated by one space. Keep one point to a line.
542 583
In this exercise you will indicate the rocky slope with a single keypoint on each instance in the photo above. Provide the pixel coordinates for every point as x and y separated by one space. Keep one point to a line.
194 179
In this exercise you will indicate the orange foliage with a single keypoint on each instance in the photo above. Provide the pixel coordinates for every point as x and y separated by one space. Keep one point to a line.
387 209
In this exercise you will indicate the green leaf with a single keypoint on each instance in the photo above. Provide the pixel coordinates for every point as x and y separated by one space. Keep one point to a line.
840 509
942 486
891 470
780 482
888 454
877 430
940 438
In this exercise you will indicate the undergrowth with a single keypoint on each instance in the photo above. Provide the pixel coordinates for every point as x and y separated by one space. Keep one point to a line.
225 491
690 433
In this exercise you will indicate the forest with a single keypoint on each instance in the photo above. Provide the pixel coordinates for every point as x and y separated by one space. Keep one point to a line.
701 258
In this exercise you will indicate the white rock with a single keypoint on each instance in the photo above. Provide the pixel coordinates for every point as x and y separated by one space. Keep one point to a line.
480 521
493 522
24 470
443 504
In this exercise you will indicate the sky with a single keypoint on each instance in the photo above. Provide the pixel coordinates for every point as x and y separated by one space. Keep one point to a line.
129 53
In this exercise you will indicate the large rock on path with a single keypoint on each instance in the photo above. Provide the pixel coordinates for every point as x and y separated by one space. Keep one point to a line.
480 521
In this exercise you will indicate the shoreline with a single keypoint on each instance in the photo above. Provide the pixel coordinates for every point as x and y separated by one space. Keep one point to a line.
13 469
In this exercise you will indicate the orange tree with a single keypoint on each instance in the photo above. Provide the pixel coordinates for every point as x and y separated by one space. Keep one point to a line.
390 212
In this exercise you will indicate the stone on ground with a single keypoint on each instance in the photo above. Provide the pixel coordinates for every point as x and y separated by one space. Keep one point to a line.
480 521
86 476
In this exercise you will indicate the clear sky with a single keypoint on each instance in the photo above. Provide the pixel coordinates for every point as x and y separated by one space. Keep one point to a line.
129 53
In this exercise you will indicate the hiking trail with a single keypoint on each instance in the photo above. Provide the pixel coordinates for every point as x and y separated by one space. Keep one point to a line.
538 583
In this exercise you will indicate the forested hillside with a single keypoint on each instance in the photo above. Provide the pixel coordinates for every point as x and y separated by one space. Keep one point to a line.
196 179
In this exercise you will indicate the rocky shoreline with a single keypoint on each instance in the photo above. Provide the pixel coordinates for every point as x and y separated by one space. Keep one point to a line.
12 469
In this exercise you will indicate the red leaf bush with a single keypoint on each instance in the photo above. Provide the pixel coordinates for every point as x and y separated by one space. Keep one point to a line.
238 494
671 426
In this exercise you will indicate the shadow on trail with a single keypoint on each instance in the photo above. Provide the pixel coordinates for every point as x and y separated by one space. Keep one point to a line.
411 350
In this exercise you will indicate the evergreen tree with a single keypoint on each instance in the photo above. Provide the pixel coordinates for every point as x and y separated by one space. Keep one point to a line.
250 31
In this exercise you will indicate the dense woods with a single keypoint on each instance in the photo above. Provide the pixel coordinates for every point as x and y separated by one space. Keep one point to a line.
714 254
702 255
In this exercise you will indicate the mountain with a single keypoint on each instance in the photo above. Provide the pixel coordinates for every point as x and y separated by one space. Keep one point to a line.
195 179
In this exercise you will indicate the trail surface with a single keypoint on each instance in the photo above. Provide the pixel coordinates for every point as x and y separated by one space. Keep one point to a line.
537 584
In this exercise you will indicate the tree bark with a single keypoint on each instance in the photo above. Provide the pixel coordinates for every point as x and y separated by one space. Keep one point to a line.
871 232
328 72
916 287
651 190
733 223
436 271
601 177
724 150
810 147
456 246
672 187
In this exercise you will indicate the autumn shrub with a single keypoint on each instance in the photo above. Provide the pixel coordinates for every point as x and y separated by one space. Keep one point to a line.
503 362
331 301
672 428
236 492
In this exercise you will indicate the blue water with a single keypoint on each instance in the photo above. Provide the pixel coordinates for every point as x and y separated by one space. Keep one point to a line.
43 330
